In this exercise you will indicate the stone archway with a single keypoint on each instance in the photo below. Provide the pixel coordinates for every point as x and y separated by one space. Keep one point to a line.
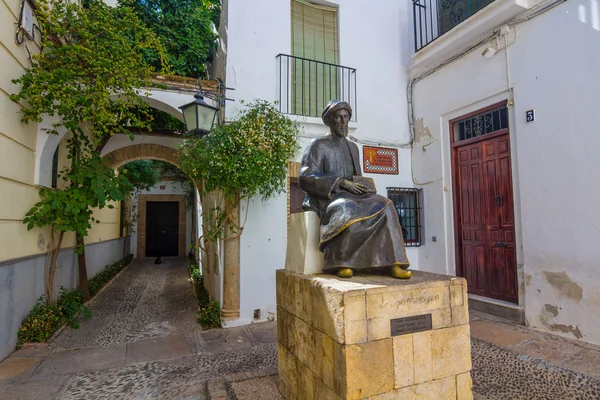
230 309
146 151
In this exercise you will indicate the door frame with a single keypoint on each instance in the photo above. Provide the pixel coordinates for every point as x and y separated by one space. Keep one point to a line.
455 192
141 225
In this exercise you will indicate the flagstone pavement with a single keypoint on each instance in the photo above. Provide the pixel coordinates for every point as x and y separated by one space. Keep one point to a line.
143 342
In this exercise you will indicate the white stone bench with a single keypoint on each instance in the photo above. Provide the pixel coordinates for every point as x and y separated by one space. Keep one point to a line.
303 255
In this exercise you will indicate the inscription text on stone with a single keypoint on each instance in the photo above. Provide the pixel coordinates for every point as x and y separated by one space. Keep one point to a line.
417 323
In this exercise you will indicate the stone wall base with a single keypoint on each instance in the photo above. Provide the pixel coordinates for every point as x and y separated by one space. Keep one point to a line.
335 338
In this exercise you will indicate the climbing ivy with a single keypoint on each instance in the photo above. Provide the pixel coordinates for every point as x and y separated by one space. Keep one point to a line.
245 158
89 76
91 70
186 29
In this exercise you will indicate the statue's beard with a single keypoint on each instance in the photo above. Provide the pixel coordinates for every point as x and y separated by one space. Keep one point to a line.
342 131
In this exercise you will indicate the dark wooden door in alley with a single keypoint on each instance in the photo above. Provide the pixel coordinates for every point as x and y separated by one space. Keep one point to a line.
484 217
162 228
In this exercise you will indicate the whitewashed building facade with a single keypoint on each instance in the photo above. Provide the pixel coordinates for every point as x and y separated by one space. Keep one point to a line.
507 203
303 54
505 127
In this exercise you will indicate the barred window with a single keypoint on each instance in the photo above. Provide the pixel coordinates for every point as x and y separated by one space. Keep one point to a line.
489 121
407 202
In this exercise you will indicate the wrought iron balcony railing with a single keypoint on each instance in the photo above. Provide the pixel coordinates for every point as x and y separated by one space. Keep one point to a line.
433 18
306 86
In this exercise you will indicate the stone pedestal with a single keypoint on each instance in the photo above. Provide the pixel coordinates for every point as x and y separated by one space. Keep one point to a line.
336 339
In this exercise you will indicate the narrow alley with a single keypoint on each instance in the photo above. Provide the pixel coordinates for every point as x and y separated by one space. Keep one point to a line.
142 342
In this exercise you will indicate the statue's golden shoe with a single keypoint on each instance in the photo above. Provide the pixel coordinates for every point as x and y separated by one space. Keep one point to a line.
399 273
345 273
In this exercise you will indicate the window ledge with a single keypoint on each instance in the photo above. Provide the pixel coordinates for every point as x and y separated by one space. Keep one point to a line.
474 28
302 119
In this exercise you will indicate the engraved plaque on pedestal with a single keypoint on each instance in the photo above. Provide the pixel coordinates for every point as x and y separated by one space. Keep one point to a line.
417 323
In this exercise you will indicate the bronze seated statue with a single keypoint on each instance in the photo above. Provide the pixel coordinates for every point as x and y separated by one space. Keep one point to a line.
360 230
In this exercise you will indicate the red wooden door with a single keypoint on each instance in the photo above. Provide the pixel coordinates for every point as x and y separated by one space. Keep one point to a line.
485 239
497 178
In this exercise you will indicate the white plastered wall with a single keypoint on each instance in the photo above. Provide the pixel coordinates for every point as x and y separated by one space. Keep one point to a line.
552 67
258 32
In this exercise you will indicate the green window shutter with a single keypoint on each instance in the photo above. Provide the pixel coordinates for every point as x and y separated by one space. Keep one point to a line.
314 37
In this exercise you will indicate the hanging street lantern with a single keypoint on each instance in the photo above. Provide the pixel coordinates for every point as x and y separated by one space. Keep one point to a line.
199 116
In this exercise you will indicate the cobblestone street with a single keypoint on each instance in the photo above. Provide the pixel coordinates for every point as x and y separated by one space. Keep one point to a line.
142 342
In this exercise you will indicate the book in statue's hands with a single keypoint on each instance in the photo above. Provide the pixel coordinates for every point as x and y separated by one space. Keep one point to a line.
365 181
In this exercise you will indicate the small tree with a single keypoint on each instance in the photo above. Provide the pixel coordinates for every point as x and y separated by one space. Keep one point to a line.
245 158
90 74
91 184
186 29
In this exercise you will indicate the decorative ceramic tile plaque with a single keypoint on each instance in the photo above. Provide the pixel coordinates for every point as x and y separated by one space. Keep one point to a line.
380 160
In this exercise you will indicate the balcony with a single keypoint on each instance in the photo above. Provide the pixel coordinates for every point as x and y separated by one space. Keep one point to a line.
433 18
443 27
306 86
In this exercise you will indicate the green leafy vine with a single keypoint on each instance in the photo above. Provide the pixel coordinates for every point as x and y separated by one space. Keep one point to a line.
244 158
90 76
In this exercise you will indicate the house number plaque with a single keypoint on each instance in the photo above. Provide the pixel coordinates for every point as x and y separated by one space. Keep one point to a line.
417 323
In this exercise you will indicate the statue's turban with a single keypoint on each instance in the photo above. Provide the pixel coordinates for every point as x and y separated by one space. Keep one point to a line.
332 108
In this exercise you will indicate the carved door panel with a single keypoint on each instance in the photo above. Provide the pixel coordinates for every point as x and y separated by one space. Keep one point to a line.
501 269
472 239
484 217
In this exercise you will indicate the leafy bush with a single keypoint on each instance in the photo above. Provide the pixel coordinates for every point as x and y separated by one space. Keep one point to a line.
71 305
185 28
104 276
44 319
210 311
210 315
198 283
247 156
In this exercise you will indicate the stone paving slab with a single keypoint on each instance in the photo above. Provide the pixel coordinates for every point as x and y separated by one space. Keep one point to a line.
76 361
549 349
16 367
174 346
32 350
34 390
257 389
239 338
221 388
265 332
500 335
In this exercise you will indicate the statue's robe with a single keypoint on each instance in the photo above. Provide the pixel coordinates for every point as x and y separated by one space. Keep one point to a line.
361 232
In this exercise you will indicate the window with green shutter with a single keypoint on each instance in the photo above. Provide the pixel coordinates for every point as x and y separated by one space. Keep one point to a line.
314 69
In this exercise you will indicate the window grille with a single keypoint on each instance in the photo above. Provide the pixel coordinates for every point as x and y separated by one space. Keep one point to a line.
407 202
485 122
